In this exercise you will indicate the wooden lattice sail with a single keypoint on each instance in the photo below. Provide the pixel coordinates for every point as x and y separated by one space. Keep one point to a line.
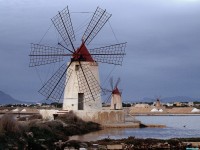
77 82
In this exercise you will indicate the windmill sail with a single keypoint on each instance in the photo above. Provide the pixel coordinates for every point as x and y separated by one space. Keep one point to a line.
42 55
63 24
85 81
112 54
116 84
88 83
111 84
114 96
98 20
53 89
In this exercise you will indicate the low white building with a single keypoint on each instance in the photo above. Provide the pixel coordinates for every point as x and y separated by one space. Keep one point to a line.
190 103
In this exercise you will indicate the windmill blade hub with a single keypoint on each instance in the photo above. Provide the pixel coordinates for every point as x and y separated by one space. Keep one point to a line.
116 91
82 54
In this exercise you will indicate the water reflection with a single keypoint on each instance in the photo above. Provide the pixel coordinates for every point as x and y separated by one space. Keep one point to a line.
189 122
106 133
177 126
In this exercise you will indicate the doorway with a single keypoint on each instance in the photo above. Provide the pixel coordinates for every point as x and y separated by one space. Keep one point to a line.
80 101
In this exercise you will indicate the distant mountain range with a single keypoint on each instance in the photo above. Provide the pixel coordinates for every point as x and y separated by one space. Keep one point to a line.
7 99
172 99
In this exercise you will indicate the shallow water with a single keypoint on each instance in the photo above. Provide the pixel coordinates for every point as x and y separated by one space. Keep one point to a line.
178 122
177 126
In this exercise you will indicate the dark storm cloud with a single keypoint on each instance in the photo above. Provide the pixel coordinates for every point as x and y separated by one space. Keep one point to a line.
165 52
162 52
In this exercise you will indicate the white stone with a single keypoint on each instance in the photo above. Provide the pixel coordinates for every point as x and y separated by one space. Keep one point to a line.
154 110
23 110
116 102
72 89
48 114
15 110
195 110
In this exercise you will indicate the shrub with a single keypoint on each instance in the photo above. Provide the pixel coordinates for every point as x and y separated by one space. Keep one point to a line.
69 118
40 130
22 119
9 124
33 117
76 125
10 132
93 126
50 130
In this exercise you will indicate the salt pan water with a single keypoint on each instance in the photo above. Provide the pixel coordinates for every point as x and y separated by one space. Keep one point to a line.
176 127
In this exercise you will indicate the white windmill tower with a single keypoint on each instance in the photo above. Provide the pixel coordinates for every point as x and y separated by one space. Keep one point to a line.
77 80
115 96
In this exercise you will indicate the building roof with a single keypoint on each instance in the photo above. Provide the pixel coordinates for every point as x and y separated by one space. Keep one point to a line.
116 91
82 54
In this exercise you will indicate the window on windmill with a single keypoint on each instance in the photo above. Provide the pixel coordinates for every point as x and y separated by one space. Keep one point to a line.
76 67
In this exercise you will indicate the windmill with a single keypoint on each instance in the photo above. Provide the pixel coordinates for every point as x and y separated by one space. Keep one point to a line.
115 95
78 79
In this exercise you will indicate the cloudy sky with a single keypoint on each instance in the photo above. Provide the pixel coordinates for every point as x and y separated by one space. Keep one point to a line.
162 53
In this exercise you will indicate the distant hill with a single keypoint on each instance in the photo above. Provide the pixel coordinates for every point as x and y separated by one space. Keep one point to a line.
172 99
7 99
179 99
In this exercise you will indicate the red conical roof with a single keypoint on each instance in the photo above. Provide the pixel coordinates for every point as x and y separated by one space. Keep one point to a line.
116 91
82 54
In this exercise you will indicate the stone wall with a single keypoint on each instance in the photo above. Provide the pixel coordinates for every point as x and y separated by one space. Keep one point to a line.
103 116
48 114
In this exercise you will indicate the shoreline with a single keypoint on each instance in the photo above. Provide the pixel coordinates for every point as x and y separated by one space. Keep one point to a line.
150 114
133 125
137 143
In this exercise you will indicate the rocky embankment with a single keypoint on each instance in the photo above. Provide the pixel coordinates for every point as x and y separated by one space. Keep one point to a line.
132 143
39 134
153 144
35 133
